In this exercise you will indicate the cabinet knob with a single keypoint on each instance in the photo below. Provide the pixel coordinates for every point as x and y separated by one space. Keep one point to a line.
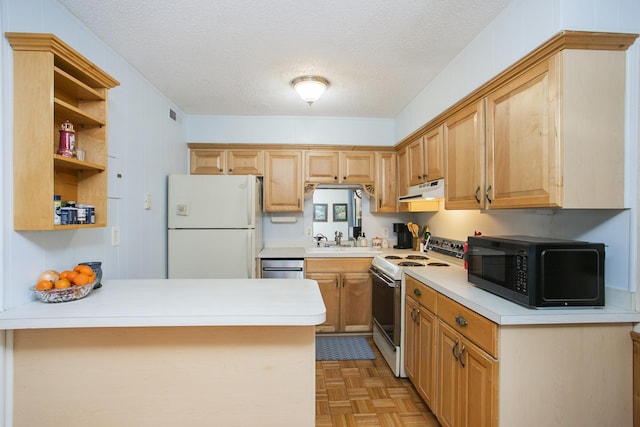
335 178
461 320
417 292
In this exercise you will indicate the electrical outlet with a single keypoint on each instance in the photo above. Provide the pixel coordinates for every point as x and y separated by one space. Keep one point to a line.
385 233
308 231
115 236
147 201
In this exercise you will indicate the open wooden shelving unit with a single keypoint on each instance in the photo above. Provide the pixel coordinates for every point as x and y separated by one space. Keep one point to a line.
54 83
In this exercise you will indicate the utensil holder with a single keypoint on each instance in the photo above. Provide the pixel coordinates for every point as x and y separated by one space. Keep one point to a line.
416 243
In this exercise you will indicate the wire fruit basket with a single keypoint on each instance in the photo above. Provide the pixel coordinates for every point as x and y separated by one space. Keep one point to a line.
71 293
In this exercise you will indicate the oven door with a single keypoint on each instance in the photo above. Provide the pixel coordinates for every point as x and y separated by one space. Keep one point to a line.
386 300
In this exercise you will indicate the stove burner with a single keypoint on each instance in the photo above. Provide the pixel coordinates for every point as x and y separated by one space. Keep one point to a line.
410 264
392 257
417 257
438 264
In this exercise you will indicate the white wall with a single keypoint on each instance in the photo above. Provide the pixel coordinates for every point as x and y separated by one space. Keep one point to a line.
291 130
144 146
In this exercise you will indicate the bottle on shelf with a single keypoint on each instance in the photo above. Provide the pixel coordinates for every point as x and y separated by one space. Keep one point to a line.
57 204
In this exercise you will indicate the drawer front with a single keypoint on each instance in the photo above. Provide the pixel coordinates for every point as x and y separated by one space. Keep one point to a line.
420 292
480 330
338 265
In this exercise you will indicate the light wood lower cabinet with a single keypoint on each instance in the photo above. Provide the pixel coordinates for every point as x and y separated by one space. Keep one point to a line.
515 375
420 349
345 285
467 381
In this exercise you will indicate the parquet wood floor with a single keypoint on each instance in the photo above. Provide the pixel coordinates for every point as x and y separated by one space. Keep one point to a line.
351 393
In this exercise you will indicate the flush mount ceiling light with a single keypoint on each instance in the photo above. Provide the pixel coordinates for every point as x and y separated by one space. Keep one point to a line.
310 88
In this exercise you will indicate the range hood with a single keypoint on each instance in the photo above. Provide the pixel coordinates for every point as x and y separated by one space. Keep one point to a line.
430 190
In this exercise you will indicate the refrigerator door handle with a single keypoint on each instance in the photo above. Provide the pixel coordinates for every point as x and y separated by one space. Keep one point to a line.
250 201
250 256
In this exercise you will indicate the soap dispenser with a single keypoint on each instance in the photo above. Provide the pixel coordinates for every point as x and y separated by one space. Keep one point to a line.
364 243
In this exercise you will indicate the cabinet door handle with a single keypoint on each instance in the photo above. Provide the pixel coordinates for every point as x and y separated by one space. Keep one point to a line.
461 320
453 350
413 314
476 194
417 292
459 357
486 195
337 284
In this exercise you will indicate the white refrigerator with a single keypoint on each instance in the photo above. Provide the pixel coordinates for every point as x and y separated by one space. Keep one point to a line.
214 226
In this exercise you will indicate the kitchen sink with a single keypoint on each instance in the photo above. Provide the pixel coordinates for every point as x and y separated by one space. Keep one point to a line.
343 249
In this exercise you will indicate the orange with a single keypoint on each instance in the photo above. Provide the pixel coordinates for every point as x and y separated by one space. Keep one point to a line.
64 274
62 283
81 279
71 275
44 285
84 269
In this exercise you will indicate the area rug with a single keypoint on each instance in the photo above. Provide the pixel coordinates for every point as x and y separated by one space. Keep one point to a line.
343 348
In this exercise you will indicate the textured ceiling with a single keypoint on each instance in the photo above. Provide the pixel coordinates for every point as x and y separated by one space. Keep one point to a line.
237 57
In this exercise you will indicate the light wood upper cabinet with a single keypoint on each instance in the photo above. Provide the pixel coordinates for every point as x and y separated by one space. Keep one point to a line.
322 166
226 162
434 153
207 162
53 83
555 134
357 167
403 177
343 167
283 190
464 151
426 157
245 162
386 188
415 153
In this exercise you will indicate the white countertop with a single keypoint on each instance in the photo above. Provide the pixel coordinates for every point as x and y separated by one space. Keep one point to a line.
175 302
452 282
300 252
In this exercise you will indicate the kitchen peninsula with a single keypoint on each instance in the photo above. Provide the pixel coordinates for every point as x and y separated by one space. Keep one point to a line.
168 352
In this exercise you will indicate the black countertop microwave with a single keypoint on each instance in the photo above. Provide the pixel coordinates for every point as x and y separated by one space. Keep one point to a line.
538 271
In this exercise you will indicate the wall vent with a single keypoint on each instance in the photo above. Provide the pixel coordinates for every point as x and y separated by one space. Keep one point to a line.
172 115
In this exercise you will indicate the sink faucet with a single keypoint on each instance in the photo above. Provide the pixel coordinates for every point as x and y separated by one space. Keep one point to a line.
318 238
338 236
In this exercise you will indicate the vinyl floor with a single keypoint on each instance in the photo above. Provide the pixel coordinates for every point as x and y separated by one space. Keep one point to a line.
366 393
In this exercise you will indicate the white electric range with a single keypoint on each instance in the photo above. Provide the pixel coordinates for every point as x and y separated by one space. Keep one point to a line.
389 293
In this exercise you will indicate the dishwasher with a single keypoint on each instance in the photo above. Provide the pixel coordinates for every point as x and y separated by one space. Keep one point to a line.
282 268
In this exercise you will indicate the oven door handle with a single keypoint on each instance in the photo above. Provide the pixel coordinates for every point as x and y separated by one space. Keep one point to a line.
391 283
